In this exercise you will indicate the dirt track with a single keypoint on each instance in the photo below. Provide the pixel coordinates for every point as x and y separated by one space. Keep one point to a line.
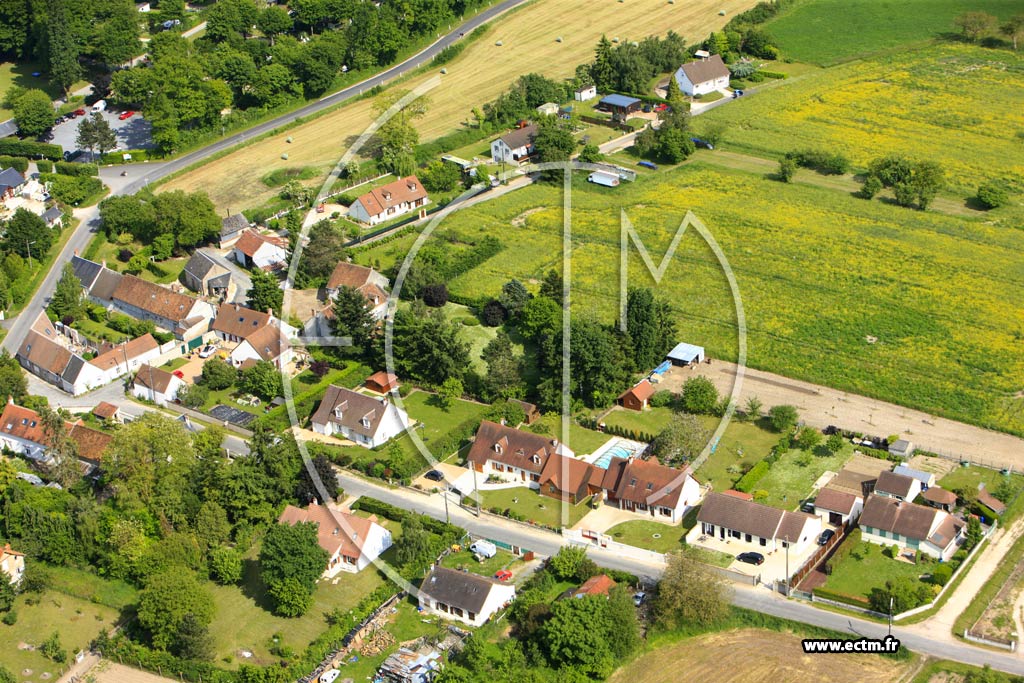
821 406
109 672
753 655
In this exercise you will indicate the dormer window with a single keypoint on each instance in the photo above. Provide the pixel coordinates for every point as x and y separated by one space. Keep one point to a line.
632 482
535 459
365 422
387 195
650 487
497 448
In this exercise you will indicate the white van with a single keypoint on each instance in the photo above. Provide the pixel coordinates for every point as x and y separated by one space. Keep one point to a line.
484 548
101 105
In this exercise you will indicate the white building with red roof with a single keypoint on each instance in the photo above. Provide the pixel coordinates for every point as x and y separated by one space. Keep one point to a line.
351 542
390 201
256 250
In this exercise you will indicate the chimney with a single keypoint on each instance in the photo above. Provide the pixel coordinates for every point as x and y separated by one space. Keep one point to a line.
270 311
314 501
103 263
502 422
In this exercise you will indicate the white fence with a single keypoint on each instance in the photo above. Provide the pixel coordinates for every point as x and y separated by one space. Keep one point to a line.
593 539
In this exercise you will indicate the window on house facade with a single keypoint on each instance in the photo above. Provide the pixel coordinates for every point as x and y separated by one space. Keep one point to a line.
764 541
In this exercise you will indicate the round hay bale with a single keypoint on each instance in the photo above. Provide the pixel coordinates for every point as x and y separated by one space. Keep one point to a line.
444 71
615 39
721 12
285 156
498 43
671 2
288 139
634 44
558 39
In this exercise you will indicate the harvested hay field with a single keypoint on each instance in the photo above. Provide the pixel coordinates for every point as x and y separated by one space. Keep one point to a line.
477 76
110 672
753 655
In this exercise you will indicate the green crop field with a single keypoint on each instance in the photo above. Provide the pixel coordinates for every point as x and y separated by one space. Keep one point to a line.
956 104
821 273
830 31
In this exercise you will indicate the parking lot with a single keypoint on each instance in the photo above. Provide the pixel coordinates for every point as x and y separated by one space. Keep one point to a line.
132 133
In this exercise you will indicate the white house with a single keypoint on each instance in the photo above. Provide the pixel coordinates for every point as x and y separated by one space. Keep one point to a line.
898 486
587 92
514 147
21 431
707 74
837 507
12 563
753 525
390 201
649 488
267 343
513 454
122 359
156 385
255 250
367 420
463 596
351 542
888 521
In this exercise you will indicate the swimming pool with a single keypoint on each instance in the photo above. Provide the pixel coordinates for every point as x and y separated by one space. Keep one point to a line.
615 448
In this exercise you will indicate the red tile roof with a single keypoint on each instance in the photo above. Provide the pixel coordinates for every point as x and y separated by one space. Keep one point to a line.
595 585
567 474
515 447
239 321
91 443
22 423
401 191
154 378
152 298
335 530
738 494
642 391
251 241
104 410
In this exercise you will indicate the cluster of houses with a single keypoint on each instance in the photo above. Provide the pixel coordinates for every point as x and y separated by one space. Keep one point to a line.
19 192
22 431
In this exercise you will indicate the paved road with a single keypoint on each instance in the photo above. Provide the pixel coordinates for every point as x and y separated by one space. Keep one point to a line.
936 642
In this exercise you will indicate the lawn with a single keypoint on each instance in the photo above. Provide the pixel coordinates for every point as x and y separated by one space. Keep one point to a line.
581 440
478 75
829 31
971 477
99 331
743 444
20 74
866 568
465 559
436 421
243 620
655 536
788 482
175 363
649 421
533 506
101 249
807 268
953 103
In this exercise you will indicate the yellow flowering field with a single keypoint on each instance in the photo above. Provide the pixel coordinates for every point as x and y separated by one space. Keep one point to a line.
819 272
958 104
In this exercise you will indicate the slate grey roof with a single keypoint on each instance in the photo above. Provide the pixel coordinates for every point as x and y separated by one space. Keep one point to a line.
199 265
105 284
51 214
894 484
233 224
9 177
74 367
465 590
86 271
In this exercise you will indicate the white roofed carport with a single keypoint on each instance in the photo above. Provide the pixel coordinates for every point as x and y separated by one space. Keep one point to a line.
686 353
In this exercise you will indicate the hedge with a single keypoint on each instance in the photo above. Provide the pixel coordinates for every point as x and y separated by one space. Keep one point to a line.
19 164
854 600
378 507
771 74
76 169
44 166
28 148
754 475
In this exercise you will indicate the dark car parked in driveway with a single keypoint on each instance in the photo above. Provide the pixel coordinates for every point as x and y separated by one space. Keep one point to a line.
434 475
751 558
826 536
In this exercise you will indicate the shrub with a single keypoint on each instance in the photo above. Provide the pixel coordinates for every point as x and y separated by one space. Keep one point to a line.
435 295
844 598
493 313
787 169
662 399
28 148
821 160
941 574
10 618
76 169
783 418
992 195
756 473
44 166
19 164
699 396
872 186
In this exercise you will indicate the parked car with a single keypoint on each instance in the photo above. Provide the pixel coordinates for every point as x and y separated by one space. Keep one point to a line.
434 475
207 351
737 93
647 164
503 575
639 598
125 115
661 107
329 676
751 558
648 108
826 535
100 105
79 112
179 374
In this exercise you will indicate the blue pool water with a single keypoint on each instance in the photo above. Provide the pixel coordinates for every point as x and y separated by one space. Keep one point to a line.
613 452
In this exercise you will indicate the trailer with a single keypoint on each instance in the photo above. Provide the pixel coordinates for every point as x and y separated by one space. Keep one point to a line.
604 178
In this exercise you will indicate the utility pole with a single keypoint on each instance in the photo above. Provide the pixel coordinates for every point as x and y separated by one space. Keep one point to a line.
890 615
447 518
28 247
787 566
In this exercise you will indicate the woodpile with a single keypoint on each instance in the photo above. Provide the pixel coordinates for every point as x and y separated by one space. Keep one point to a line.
378 641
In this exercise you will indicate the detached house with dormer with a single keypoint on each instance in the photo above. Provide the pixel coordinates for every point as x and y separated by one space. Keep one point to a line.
513 454
390 201
351 542
368 421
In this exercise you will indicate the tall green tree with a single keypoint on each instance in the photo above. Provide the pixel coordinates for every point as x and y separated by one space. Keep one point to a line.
167 600
397 138
689 594
1013 29
118 36
12 380
642 326
504 369
352 318
681 441
27 233
62 46
265 293
699 396
427 346
292 553
602 71
262 379
33 112
67 297
190 217
194 641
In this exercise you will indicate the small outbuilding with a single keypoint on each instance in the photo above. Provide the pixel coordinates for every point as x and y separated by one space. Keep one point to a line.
686 354
587 92
636 397
940 498
548 109
901 448
621 107
382 382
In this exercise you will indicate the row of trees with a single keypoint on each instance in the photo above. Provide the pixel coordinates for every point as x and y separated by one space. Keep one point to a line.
977 26
169 221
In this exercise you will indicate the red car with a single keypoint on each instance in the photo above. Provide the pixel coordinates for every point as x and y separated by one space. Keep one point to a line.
179 374
660 107
126 115
79 112
503 575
